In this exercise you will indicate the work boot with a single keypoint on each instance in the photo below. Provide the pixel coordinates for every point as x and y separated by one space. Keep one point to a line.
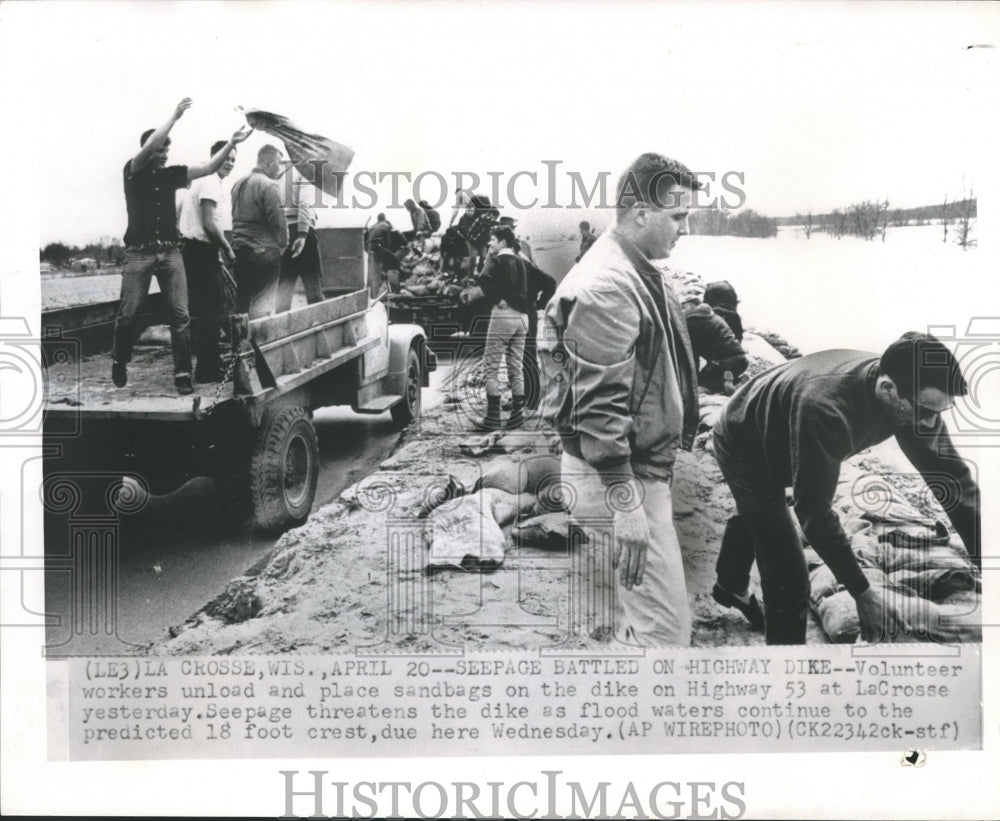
516 413
750 609
492 419
183 384
119 374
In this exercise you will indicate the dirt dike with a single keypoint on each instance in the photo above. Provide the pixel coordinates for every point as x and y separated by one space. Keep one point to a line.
353 578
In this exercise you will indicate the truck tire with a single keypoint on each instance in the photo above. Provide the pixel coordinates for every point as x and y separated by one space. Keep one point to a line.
408 409
284 469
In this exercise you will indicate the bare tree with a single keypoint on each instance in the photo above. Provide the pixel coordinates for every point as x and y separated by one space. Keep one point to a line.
945 219
966 212
885 216
806 222
839 222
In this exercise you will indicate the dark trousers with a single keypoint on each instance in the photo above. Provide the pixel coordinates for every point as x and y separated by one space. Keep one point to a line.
306 266
208 300
140 268
765 531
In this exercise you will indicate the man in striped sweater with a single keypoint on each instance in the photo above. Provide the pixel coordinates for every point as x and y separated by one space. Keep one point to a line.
301 259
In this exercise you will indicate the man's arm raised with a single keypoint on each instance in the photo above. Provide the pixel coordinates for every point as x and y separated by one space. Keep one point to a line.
219 157
157 138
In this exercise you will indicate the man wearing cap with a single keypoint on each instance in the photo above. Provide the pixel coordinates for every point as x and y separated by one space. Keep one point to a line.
619 379
792 426
711 338
153 245
260 234
724 301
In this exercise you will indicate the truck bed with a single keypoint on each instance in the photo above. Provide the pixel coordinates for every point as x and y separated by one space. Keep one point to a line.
298 346
85 386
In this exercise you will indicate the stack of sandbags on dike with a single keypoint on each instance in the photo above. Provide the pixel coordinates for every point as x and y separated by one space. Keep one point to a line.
910 553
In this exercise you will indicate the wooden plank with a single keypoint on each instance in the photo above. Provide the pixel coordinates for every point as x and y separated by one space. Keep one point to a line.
271 328
302 319
84 389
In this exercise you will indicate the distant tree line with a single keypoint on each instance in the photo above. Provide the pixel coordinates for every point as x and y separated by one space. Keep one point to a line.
715 222
107 251
870 219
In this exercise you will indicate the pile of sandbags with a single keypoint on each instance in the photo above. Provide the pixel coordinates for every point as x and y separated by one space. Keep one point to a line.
421 272
466 528
925 570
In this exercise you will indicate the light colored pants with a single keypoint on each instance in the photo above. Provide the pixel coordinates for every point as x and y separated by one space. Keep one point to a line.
656 612
507 331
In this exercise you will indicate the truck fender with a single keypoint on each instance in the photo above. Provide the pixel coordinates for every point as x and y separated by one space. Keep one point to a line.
401 339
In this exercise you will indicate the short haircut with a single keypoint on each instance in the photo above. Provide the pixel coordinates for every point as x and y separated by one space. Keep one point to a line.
217 146
145 136
505 234
584 226
267 151
648 179
916 361
409 205
380 218
721 295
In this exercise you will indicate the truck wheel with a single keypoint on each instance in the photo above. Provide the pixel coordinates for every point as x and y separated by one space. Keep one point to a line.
408 409
284 470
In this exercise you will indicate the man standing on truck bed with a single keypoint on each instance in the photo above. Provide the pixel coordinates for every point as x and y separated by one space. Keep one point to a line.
205 216
260 234
152 245
301 259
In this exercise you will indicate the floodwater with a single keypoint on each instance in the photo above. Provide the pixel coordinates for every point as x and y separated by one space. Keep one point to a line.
822 293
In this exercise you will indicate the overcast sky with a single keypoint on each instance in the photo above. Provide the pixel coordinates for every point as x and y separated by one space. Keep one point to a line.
816 105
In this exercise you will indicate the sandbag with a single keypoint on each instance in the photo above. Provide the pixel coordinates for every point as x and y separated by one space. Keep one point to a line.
548 531
915 536
839 617
531 475
944 622
465 535
309 153
438 492
936 557
936 584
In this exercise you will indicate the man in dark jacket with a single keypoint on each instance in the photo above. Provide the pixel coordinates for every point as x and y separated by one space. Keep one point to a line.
711 337
793 425
503 285
713 341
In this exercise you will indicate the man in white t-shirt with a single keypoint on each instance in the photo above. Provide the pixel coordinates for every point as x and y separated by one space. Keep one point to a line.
205 216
